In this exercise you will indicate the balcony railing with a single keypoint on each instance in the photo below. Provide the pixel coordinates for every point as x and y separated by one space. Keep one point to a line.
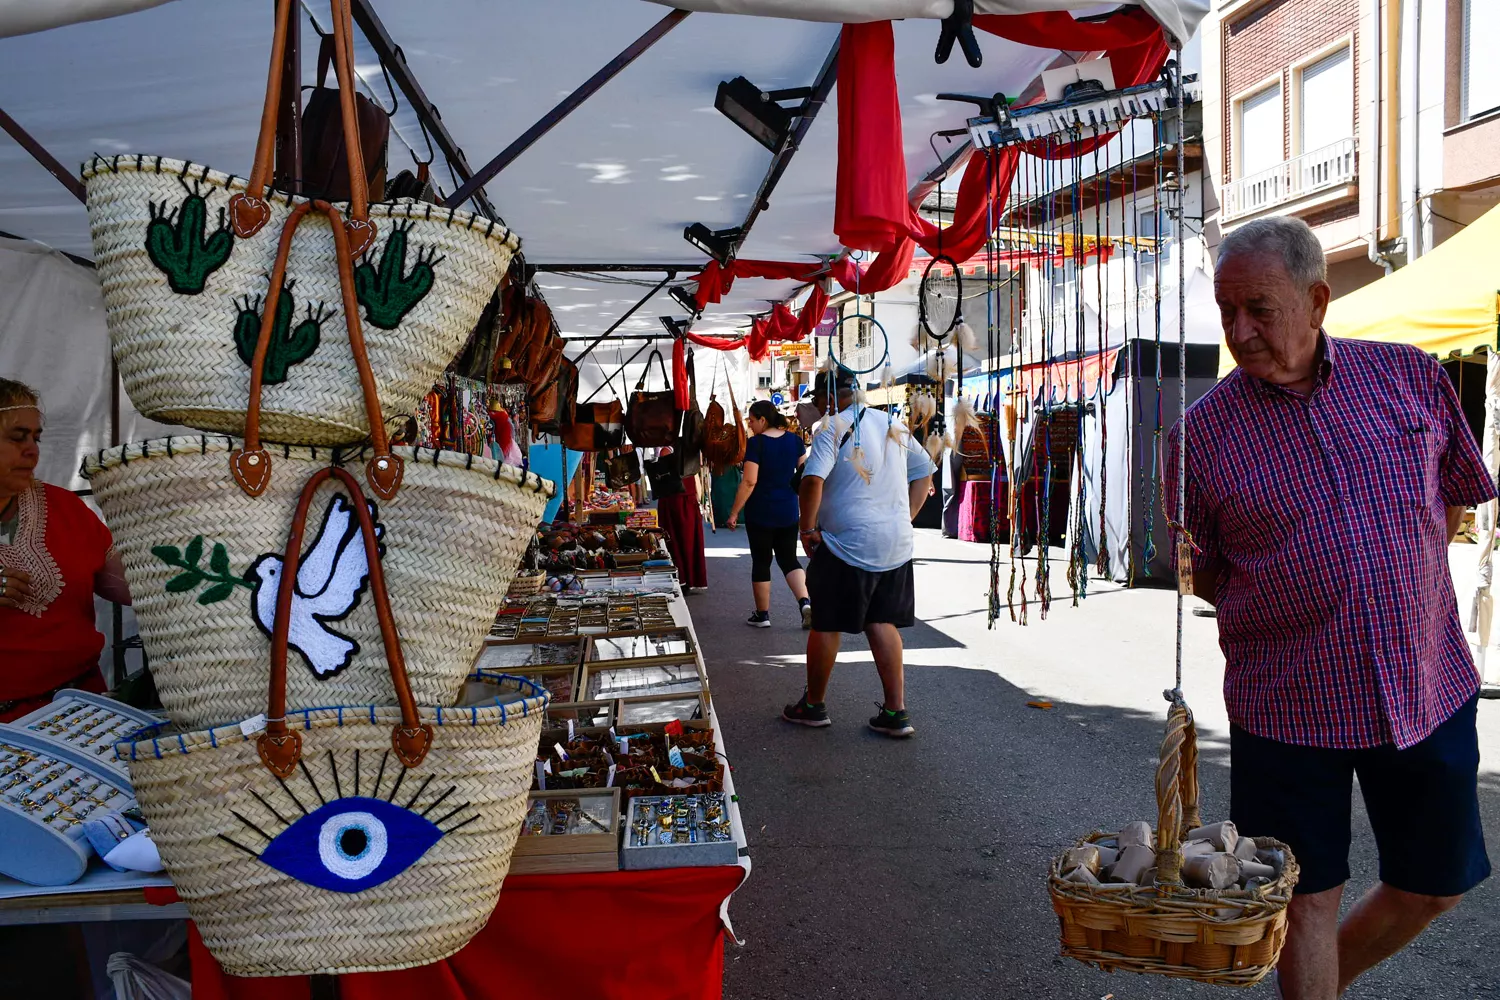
1316 170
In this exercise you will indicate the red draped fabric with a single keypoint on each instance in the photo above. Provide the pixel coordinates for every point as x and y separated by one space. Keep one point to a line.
614 934
872 210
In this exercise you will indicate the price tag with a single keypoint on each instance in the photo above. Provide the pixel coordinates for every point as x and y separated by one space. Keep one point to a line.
541 775
625 747
674 755
609 781
253 725
570 730
561 753
656 776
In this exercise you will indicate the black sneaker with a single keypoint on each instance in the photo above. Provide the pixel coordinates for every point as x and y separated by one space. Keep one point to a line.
805 713
806 616
893 724
759 619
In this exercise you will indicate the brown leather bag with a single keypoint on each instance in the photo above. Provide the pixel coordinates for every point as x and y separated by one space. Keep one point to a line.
596 427
723 440
651 416
325 165
552 401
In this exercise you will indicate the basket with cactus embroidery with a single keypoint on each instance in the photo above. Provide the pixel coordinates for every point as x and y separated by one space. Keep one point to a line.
351 839
187 256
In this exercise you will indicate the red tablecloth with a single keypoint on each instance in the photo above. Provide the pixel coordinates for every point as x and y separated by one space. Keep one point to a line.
602 936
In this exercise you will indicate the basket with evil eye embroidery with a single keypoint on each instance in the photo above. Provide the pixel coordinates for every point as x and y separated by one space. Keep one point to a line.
351 839
203 562
184 255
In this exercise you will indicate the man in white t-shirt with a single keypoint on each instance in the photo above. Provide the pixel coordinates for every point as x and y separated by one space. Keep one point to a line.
864 481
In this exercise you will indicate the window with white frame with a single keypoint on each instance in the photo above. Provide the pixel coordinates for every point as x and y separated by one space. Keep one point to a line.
1258 136
1481 68
1325 101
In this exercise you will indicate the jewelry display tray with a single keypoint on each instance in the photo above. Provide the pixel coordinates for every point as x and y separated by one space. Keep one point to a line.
53 852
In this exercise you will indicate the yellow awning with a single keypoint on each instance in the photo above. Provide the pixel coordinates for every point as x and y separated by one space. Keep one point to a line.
1445 302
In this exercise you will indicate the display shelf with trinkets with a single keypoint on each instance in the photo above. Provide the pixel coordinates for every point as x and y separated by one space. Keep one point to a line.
595 715
552 664
653 759
678 831
569 831
639 710
88 723
656 664
48 790
594 613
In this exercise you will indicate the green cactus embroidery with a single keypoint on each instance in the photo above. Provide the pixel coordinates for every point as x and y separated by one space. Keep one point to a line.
389 293
193 575
175 243
289 344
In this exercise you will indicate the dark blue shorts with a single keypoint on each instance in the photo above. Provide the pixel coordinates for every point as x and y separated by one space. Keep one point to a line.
1423 804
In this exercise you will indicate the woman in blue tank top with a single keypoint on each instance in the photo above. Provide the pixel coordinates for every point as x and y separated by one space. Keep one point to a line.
769 499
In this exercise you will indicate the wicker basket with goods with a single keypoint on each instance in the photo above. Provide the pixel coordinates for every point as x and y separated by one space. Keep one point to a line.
1191 902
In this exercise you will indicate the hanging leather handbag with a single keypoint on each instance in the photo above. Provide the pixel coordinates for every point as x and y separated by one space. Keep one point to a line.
651 417
622 469
665 477
688 448
596 427
552 400
325 164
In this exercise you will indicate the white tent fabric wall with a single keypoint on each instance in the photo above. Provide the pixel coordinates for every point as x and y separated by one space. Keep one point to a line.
52 337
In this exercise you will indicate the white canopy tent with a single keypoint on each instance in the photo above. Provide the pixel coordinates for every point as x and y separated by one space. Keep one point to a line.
614 182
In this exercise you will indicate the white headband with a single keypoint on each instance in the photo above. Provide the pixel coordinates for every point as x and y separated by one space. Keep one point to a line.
22 406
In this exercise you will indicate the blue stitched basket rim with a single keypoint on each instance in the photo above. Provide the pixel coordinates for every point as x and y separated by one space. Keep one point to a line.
528 699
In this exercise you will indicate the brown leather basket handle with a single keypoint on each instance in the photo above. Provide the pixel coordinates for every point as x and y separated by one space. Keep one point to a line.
1176 792
280 747
248 210
251 465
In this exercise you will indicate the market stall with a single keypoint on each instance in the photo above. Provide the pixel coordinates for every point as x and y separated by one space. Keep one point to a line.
378 430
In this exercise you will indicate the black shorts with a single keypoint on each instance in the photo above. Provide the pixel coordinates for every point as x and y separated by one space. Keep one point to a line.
1423 804
847 599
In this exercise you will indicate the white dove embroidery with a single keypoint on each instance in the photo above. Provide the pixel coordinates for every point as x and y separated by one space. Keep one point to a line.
331 579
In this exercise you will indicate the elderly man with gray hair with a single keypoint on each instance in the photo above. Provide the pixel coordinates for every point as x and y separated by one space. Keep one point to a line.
1324 481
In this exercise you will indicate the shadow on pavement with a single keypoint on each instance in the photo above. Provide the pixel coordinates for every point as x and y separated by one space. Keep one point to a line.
917 868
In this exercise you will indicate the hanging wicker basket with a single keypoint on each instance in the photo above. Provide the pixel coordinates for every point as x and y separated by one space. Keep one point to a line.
201 558
185 256
1224 937
360 838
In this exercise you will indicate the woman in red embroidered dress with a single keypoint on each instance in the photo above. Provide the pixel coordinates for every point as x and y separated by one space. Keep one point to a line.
55 555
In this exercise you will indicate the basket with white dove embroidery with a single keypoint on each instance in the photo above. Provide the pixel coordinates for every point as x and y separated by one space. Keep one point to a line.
187 257
360 838
203 559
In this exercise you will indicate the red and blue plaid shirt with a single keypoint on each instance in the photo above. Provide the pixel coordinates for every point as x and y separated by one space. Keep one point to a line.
1326 519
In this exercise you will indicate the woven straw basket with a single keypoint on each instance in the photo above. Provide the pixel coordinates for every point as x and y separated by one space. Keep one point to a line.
202 559
182 354
337 840
185 253
1227 937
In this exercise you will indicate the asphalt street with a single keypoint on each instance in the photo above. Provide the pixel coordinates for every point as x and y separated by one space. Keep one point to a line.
917 868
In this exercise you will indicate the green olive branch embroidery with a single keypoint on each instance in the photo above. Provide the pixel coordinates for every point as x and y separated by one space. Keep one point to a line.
193 575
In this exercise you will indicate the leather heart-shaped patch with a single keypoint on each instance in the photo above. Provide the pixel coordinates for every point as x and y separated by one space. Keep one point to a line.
361 235
280 753
411 745
384 474
251 469
248 214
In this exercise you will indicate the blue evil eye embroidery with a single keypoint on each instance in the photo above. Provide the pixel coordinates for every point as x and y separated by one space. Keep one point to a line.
352 842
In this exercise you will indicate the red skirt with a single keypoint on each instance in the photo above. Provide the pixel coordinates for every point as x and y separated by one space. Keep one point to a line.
683 522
